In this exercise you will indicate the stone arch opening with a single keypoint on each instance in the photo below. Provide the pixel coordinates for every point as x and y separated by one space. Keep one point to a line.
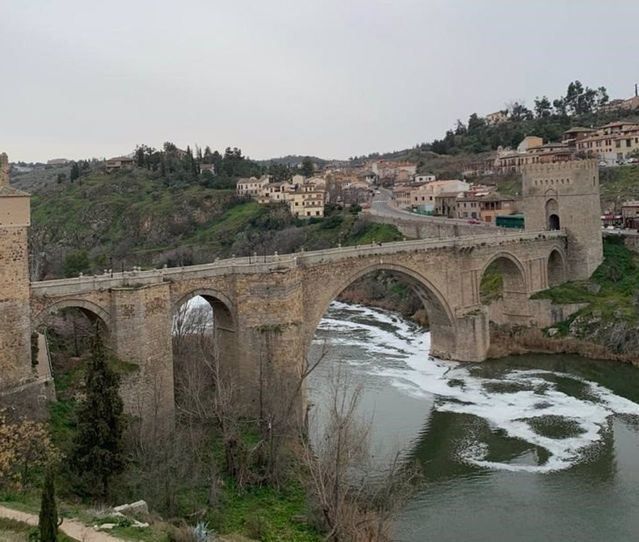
62 339
503 288
439 318
552 215
556 268
204 345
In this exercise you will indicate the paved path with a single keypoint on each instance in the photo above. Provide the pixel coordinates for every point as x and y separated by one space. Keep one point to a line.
70 527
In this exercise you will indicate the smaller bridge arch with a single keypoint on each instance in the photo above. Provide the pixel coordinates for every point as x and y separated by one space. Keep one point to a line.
223 331
512 269
223 308
556 267
89 308
514 285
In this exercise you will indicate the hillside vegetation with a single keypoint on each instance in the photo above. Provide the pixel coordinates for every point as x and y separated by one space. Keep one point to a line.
128 218
611 317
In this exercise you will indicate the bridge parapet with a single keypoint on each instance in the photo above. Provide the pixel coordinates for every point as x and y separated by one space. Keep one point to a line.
271 263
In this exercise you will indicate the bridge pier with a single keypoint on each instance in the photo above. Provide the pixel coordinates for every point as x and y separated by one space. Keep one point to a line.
141 335
467 341
272 368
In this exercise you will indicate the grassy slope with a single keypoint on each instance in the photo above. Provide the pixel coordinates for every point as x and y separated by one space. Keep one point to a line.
617 185
612 290
132 218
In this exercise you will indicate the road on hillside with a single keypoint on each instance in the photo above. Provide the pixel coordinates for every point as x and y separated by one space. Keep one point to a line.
382 205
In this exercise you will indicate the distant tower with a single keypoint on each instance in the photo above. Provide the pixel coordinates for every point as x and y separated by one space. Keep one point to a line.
15 318
4 169
565 195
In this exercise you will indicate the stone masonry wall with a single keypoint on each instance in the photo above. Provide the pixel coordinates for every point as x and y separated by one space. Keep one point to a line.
15 317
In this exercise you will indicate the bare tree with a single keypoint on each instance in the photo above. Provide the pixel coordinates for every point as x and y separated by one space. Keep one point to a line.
355 500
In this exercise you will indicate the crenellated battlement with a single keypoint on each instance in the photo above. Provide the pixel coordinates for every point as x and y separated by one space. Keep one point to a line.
559 167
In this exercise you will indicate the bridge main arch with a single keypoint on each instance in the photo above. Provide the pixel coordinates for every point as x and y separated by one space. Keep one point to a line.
442 320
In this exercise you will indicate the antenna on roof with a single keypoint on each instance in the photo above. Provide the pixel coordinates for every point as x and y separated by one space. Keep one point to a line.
636 90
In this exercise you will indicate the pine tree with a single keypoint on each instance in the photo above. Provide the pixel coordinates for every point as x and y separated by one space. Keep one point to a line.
98 448
307 167
75 172
48 521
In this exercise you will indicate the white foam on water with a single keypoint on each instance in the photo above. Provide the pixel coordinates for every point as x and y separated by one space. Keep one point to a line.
457 389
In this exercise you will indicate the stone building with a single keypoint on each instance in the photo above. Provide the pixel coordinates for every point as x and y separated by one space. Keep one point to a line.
251 187
16 371
531 151
565 195
422 196
630 214
119 162
612 143
484 206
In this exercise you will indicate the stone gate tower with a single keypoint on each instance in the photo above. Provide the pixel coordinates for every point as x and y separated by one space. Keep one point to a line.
15 316
565 195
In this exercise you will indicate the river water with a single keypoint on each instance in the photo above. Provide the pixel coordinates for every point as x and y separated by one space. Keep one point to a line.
527 448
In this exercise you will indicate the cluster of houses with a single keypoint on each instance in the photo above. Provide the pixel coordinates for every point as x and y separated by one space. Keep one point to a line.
305 197
387 172
453 198
613 144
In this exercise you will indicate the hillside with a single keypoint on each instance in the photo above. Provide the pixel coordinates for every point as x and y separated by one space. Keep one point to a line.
39 177
131 218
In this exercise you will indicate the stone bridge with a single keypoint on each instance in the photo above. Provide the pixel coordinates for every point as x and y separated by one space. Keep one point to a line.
269 309
266 310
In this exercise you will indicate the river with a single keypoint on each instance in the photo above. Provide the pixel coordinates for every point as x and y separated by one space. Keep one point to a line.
527 448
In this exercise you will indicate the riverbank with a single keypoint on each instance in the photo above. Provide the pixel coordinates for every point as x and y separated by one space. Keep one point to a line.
519 341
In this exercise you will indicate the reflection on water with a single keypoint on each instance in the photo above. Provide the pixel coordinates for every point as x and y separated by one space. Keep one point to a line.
527 448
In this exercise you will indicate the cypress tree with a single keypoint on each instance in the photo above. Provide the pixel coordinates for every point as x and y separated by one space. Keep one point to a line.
48 521
98 446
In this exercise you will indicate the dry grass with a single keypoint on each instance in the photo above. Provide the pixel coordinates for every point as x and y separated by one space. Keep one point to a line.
519 341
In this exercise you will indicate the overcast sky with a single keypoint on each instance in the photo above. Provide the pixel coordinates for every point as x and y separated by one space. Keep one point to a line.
331 78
